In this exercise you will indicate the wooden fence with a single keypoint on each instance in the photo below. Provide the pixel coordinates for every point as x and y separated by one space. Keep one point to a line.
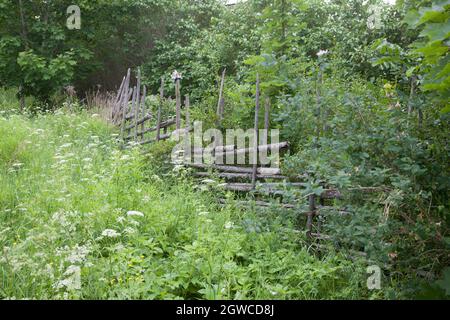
131 113
136 120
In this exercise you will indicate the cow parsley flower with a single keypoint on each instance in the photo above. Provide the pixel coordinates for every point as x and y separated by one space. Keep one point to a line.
73 280
135 214
229 225
110 233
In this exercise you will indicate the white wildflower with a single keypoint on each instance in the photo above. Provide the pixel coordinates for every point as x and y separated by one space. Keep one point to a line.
120 219
130 230
135 214
229 225
322 53
78 254
73 280
110 233
67 145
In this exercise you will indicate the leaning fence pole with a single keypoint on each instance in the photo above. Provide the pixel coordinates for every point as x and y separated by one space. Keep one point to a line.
125 99
256 135
221 102
125 111
138 105
133 111
187 142
161 98
144 97
178 100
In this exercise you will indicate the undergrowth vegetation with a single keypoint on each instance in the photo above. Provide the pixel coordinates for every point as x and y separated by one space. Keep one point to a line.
81 218
359 89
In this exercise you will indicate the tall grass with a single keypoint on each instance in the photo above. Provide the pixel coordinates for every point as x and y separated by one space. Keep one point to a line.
9 102
82 219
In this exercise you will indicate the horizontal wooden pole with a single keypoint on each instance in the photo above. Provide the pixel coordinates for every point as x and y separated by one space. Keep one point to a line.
264 148
141 121
233 169
163 137
261 204
232 149
165 124
217 149
241 176
272 188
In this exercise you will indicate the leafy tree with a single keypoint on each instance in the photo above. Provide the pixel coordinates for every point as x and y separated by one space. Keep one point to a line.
433 47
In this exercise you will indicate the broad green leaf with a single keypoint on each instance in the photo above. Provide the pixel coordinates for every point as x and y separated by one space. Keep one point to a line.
436 31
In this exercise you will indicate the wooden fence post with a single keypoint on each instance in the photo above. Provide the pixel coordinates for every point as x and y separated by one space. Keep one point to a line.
187 140
144 97
256 136
125 99
133 111
138 104
177 78
161 98
125 111
221 102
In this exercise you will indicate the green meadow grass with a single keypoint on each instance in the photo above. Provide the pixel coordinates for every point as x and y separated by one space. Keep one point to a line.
80 218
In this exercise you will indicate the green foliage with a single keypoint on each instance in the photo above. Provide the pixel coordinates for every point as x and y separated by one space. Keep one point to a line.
360 107
369 142
82 219
433 46
40 77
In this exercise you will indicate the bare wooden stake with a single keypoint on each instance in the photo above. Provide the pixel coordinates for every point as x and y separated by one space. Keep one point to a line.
144 96
256 136
125 111
161 98
221 102
138 104
187 140
178 102
125 99
188 115
133 108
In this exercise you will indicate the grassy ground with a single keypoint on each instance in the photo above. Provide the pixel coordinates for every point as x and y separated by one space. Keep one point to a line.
82 219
